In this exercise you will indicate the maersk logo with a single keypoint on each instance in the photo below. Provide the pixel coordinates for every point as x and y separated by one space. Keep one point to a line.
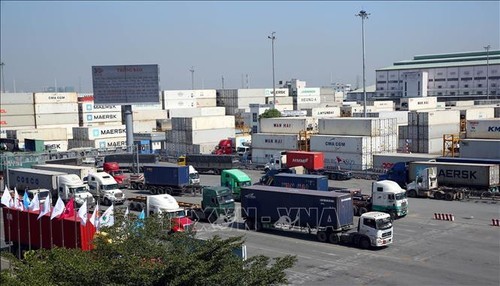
102 144
88 107
96 132
89 117
494 129
104 116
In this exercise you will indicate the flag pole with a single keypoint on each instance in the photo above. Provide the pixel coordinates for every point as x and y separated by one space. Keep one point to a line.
29 229
62 231
76 231
51 236
18 236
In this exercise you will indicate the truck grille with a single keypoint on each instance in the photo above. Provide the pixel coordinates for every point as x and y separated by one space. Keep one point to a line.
119 195
386 234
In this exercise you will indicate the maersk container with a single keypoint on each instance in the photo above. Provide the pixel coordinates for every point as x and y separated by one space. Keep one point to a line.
307 159
23 98
50 134
480 148
166 175
304 208
98 117
301 181
99 132
17 109
357 126
56 118
348 161
149 114
275 141
459 174
56 145
202 122
7 121
103 143
90 107
51 108
59 97
286 125
485 129
438 117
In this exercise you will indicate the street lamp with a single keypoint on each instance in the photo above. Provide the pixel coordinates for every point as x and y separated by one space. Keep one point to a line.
272 37
363 16
192 78
487 48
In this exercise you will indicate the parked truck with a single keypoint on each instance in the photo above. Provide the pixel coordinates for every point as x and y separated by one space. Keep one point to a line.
165 178
23 231
217 204
327 214
234 180
132 162
105 189
205 163
232 145
298 181
113 168
60 184
166 205
80 171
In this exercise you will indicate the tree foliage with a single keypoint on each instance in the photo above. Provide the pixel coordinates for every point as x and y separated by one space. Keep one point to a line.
270 113
130 255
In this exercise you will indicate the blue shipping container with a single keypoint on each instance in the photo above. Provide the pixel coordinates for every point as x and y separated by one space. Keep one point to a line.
300 181
297 207
166 175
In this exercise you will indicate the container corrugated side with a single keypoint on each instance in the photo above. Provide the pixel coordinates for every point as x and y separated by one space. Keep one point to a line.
39 133
480 148
348 161
179 103
59 108
275 141
193 112
203 122
17 109
262 156
16 120
479 113
199 136
147 106
439 117
98 117
149 114
59 97
401 116
53 119
342 144
437 131
141 126
98 132
282 100
357 126
184 94
486 129
177 149
16 98
206 102
286 125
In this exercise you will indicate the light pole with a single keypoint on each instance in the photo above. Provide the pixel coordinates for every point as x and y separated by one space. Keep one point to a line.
3 81
192 78
363 16
272 37
487 48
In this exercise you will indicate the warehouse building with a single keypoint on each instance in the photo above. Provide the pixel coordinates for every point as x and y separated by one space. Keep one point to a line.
454 76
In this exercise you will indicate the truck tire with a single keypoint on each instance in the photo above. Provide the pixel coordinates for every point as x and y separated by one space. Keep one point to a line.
355 210
161 190
212 218
217 171
132 206
362 210
393 215
364 243
168 190
106 202
439 195
153 191
140 186
412 193
321 235
460 195
133 186
449 196
334 238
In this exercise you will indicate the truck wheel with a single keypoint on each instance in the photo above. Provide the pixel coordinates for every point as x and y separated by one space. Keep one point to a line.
168 190
460 196
321 235
355 210
449 196
133 186
132 206
107 202
140 187
217 171
412 193
362 210
364 243
393 215
153 191
438 195
334 238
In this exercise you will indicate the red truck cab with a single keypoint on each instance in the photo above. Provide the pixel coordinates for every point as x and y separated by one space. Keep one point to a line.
224 147
113 168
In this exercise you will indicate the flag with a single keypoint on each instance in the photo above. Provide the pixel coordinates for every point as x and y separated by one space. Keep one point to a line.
142 215
6 198
26 200
18 204
140 219
46 207
82 213
34 205
126 213
107 218
69 209
58 208
94 219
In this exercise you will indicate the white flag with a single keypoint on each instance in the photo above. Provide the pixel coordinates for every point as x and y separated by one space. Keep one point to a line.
35 203
6 198
18 204
94 219
82 213
126 213
46 207
108 217
58 208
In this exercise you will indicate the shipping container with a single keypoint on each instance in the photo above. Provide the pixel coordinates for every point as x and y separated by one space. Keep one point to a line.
17 109
51 108
107 143
100 117
321 112
287 125
149 115
348 161
50 134
263 156
203 122
166 175
56 145
24 98
474 113
308 91
179 148
98 132
301 181
179 103
34 145
280 100
194 112
418 103
59 97
206 102
401 116
7 121
308 100
199 136
68 127
275 141
438 117
55 119
430 146
146 106
91 107
186 94
353 144
312 161
436 131
387 160
357 126
480 148
485 128
144 126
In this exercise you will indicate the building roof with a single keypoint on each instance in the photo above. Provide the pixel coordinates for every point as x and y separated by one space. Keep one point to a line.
447 60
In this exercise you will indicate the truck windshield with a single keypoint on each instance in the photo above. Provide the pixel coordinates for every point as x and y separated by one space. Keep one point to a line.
78 190
225 199
246 184
173 214
384 223
400 196
109 187
116 173
194 176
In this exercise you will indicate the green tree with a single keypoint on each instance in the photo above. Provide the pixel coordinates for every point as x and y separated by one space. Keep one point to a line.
130 255
270 113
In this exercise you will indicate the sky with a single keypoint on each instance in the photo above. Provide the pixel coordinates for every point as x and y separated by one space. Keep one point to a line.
51 43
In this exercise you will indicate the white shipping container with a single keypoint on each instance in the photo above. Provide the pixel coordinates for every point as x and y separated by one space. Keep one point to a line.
262 156
357 126
348 161
401 116
193 112
179 103
7 121
17 109
141 126
206 102
59 97
16 98
109 143
4 131
199 136
439 117
480 148
322 112
279 92
68 127
54 119
497 111
284 107
101 117
485 128
280 100
98 132
308 91
90 107
149 114
436 131
56 145
286 125
56 134
59 108
246 101
275 141
353 144
308 100
147 106
478 113
203 122
429 146
418 103
177 149
184 94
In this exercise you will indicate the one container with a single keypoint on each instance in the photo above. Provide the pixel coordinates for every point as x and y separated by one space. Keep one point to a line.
49 134
98 132
309 160
194 112
203 122
100 117
60 97
16 98
51 108
7 121
348 161
357 126
55 119
480 148
301 181
286 125
485 128
275 141
199 136
17 109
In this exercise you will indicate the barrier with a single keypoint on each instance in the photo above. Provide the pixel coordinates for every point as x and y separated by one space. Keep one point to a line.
495 222
447 217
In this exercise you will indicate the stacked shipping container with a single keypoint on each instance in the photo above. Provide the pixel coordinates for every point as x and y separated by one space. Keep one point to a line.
482 139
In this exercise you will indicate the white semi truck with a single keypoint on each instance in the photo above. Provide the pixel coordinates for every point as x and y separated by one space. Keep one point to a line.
105 188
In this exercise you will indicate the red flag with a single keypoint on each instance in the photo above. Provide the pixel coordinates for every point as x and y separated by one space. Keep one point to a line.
69 210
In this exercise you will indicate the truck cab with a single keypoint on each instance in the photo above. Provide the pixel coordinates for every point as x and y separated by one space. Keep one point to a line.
389 197
105 188
234 179
71 186
217 202
167 205
425 183
376 227
113 168
194 176
397 173
276 162
225 147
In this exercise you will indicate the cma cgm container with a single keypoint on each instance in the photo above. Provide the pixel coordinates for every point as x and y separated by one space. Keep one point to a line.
301 181
309 160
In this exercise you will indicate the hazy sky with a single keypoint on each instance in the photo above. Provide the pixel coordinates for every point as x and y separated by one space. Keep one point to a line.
318 42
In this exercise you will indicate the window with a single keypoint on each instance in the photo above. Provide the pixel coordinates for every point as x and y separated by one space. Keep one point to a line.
453 73
479 85
440 86
452 93
479 92
440 93
369 222
452 86
466 85
466 72
254 117
466 93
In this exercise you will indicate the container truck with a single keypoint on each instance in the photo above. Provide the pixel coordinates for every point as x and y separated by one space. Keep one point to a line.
298 181
164 178
113 168
60 184
163 204
23 231
205 163
217 204
80 171
234 180
327 214
129 161
105 189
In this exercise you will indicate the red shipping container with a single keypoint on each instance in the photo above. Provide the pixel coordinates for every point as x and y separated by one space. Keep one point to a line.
309 160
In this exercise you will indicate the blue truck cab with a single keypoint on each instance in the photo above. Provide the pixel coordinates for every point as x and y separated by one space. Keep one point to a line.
398 173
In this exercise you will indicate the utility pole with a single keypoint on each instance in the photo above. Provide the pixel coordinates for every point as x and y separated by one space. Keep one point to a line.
192 77
272 38
363 16
2 64
487 48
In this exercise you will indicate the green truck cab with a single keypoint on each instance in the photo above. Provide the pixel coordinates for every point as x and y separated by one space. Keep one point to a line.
234 179
217 204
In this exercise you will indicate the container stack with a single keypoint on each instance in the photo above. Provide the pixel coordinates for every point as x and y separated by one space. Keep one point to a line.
239 100
145 116
482 139
55 110
401 117
104 136
283 103
55 139
16 112
349 143
175 99
425 130
199 134
330 97
91 114
308 97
